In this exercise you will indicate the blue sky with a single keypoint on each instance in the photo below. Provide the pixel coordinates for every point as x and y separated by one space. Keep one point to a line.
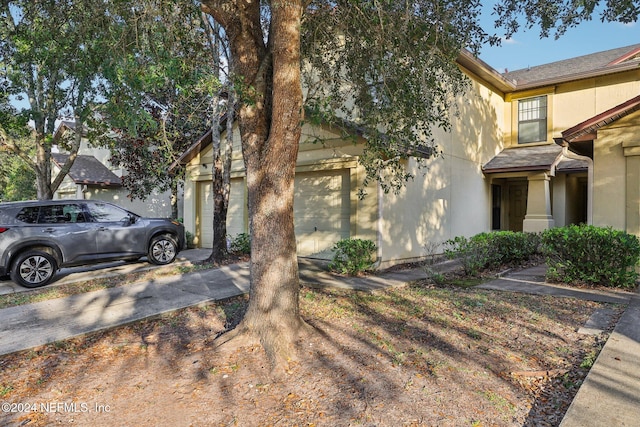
527 49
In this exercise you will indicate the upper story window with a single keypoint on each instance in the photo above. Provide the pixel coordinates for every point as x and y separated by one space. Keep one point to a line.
532 120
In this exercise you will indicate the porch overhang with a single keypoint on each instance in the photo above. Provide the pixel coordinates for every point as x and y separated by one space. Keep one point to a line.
532 159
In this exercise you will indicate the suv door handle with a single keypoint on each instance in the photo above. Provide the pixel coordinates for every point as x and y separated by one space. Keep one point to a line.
48 230
102 228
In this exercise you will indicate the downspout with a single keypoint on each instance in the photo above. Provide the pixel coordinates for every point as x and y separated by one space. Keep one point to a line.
571 155
378 260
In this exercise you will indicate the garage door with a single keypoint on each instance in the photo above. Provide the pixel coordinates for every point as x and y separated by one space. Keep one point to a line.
235 214
321 211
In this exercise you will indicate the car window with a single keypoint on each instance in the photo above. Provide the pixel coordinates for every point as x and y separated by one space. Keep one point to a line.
28 214
61 214
103 212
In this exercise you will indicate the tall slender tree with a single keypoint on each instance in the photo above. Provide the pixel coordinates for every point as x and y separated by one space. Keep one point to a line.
52 53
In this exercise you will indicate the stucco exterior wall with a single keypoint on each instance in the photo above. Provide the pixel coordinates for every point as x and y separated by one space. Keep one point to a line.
617 175
449 197
573 102
609 192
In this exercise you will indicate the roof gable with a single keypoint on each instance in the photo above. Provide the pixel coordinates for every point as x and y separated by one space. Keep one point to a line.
88 170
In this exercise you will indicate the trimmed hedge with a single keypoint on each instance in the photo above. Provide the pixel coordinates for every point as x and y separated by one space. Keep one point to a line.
491 250
591 255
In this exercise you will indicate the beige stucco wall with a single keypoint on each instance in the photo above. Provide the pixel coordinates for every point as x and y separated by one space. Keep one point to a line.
451 196
617 175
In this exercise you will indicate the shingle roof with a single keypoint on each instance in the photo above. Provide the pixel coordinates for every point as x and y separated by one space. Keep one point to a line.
88 170
536 158
600 63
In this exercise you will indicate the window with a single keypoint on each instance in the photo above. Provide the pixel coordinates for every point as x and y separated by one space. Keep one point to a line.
532 120
57 214
102 212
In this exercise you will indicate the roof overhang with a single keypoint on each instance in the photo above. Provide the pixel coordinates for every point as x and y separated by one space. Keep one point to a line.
532 159
485 71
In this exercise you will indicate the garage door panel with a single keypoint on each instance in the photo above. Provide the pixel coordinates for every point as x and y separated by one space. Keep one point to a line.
321 211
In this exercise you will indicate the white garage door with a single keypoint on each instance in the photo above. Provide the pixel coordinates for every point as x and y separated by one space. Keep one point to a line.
235 214
321 211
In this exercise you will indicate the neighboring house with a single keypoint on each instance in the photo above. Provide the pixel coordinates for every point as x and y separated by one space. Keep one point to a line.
93 177
530 149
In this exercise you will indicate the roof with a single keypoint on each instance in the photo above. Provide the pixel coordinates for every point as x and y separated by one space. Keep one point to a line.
193 150
530 159
581 67
485 71
88 170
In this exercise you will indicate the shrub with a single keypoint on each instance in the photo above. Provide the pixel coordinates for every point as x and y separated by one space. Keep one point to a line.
591 255
189 239
352 256
491 250
240 244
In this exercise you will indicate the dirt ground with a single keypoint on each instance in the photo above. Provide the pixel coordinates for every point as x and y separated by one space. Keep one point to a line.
417 355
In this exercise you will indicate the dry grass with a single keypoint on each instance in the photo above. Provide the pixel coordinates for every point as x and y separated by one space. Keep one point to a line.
417 355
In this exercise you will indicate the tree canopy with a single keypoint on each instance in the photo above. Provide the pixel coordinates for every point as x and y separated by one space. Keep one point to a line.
52 54
559 15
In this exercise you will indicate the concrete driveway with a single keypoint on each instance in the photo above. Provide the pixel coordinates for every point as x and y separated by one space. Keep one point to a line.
108 269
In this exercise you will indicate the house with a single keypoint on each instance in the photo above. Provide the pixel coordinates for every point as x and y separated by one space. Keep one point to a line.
93 177
530 149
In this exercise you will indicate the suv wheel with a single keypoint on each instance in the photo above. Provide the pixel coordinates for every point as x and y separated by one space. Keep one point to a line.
33 269
162 250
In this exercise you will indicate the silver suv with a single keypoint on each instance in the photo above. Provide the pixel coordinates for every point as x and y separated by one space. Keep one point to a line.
39 237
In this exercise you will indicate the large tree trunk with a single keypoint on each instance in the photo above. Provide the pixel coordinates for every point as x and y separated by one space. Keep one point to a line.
270 127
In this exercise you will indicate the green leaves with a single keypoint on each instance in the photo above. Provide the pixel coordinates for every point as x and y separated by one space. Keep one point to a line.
592 255
560 15
352 256
389 67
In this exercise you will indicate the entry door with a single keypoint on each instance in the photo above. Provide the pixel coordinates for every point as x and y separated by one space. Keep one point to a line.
517 205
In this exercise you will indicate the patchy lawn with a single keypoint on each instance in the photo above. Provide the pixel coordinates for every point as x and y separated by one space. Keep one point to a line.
417 355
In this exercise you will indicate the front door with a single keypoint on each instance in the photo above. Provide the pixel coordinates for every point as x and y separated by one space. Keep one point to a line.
517 204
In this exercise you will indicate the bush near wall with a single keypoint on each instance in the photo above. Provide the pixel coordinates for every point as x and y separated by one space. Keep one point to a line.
492 250
584 254
353 256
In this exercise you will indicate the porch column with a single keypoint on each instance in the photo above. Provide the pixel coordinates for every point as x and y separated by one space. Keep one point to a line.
538 215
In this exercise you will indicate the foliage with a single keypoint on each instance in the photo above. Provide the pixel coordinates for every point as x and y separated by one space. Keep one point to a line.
353 256
52 53
189 237
160 85
561 14
17 180
591 255
387 71
491 250
240 244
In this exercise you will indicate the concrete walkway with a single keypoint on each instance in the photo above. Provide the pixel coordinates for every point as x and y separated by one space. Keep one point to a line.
609 396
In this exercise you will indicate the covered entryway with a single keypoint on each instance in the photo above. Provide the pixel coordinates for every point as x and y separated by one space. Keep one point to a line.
536 188
321 211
